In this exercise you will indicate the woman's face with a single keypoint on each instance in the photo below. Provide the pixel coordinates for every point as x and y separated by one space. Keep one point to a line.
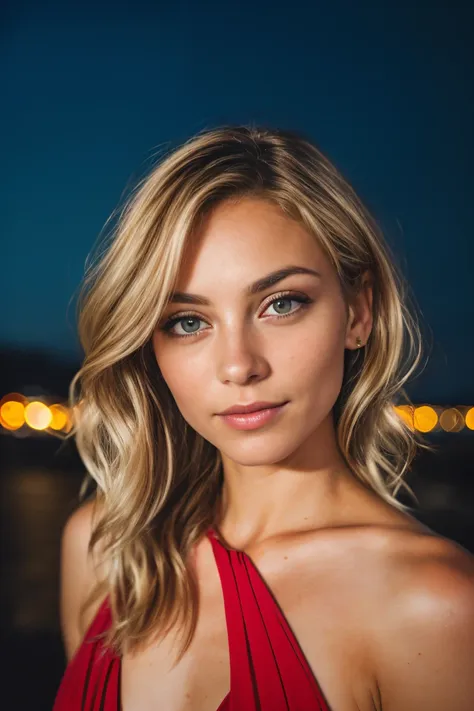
240 347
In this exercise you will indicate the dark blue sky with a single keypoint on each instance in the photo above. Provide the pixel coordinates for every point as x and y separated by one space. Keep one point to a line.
93 91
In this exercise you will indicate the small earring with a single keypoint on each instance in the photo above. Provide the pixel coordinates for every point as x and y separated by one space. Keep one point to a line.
359 342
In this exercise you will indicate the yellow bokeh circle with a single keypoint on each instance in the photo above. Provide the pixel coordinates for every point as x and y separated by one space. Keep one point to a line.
425 418
60 417
12 414
38 415
406 414
469 418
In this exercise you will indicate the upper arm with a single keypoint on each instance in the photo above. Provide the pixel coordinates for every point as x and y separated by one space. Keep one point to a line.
425 648
78 577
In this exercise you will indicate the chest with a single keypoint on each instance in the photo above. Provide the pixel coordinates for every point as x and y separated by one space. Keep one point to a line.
322 607
199 681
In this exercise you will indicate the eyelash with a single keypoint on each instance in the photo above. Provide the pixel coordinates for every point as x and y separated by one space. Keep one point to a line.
304 301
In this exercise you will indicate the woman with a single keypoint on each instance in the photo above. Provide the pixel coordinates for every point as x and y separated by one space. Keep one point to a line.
253 561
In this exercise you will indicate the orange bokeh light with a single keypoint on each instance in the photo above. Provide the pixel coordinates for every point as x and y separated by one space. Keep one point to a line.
60 417
406 412
12 415
469 418
425 418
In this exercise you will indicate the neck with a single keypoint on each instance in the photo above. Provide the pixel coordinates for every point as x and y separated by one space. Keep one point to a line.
312 491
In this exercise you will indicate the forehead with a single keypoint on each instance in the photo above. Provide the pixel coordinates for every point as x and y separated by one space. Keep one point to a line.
240 241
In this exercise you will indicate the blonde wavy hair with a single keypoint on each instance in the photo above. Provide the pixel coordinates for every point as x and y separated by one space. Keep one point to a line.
157 480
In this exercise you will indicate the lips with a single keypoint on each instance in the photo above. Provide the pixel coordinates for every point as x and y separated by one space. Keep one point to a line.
252 407
256 419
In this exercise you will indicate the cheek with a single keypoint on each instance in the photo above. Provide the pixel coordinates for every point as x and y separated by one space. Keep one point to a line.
313 374
184 383
315 354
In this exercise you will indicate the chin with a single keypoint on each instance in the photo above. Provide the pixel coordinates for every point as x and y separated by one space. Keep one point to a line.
254 454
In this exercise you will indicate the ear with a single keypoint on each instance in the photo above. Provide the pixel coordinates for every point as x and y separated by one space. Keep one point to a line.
360 319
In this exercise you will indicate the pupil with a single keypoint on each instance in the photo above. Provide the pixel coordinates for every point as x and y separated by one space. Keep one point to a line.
190 321
281 301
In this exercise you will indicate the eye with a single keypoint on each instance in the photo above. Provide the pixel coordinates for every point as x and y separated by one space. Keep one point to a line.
281 300
190 320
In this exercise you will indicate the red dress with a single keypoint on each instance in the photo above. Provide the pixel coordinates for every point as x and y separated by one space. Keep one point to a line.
268 671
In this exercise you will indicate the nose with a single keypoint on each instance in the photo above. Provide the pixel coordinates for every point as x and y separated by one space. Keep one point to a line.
241 359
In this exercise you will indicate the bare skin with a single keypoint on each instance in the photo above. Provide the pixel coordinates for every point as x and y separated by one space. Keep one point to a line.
347 569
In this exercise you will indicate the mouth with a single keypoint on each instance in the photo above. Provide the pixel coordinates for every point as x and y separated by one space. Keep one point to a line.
251 407
255 419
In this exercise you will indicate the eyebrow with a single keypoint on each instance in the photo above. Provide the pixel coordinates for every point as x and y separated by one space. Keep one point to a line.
255 288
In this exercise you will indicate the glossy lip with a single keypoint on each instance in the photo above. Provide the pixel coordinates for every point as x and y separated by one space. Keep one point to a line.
252 407
253 420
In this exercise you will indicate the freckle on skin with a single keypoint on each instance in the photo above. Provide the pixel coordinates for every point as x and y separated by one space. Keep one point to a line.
285 557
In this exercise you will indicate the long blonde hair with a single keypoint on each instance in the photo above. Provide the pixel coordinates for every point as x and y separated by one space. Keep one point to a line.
158 481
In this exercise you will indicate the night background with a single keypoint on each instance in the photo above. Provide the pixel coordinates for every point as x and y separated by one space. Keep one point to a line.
93 94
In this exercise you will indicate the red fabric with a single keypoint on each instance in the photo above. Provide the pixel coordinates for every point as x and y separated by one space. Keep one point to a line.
268 670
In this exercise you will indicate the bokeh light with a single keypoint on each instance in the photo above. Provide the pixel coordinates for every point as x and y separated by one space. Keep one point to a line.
406 412
425 418
12 414
451 420
38 415
469 418
60 417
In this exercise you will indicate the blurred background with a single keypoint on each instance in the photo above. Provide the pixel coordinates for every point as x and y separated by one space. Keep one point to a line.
92 93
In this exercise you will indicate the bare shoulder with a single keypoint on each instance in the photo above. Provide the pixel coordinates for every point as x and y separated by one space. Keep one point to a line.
423 623
414 554
416 568
79 575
